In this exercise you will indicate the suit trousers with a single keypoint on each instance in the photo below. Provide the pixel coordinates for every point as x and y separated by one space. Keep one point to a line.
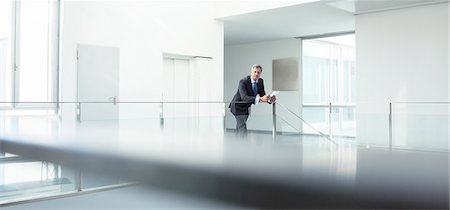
241 126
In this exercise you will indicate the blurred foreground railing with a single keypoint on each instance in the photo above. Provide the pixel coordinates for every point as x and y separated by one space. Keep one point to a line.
203 158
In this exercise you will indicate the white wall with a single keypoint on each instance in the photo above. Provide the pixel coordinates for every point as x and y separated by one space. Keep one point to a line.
238 62
143 31
402 55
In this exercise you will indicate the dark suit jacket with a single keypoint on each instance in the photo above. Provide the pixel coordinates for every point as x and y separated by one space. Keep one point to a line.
245 96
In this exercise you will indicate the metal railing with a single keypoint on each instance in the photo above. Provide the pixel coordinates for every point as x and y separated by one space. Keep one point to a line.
304 121
78 178
434 108
38 189
78 181
162 104
330 107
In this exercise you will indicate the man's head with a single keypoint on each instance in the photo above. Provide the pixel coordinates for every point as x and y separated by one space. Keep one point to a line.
256 72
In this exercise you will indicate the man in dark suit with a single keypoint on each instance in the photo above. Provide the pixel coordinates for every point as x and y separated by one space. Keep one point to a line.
250 91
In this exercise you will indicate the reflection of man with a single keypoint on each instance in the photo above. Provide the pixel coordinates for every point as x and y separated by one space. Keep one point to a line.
250 91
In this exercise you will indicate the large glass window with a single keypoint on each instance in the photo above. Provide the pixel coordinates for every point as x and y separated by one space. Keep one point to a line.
6 17
28 59
329 77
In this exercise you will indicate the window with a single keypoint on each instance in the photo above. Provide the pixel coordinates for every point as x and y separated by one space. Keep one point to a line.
329 77
29 53
6 9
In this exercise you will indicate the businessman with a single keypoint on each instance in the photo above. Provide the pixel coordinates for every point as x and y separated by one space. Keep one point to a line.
250 91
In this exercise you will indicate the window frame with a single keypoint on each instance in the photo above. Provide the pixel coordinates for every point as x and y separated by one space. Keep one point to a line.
52 68
333 97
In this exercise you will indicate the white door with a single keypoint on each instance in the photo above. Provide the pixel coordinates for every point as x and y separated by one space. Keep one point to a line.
98 81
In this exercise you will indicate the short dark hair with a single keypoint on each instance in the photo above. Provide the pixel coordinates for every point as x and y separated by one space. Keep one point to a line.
257 66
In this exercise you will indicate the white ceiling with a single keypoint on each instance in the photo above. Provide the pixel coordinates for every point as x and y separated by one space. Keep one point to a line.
286 22
366 6
308 19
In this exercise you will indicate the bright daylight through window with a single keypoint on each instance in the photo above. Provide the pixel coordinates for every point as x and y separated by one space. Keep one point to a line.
329 77
28 55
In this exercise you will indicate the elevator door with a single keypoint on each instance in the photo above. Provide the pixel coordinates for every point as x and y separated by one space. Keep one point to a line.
176 91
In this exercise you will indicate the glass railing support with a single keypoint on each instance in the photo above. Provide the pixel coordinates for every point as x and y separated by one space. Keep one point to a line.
309 125
161 115
224 120
78 111
329 121
390 126
419 125
274 122
56 171
78 181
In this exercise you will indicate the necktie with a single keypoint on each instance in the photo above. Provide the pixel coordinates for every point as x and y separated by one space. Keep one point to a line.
255 88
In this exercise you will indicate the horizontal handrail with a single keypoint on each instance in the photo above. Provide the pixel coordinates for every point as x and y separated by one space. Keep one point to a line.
328 105
162 102
420 102
237 102
117 102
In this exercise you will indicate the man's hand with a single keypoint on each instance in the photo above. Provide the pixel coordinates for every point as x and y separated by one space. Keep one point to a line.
264 98
272 99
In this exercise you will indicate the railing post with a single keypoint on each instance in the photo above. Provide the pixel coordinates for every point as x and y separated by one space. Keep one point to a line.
78 180
274 120
56 171
224 119
390 125
58 111
79 112
329 121
161 115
